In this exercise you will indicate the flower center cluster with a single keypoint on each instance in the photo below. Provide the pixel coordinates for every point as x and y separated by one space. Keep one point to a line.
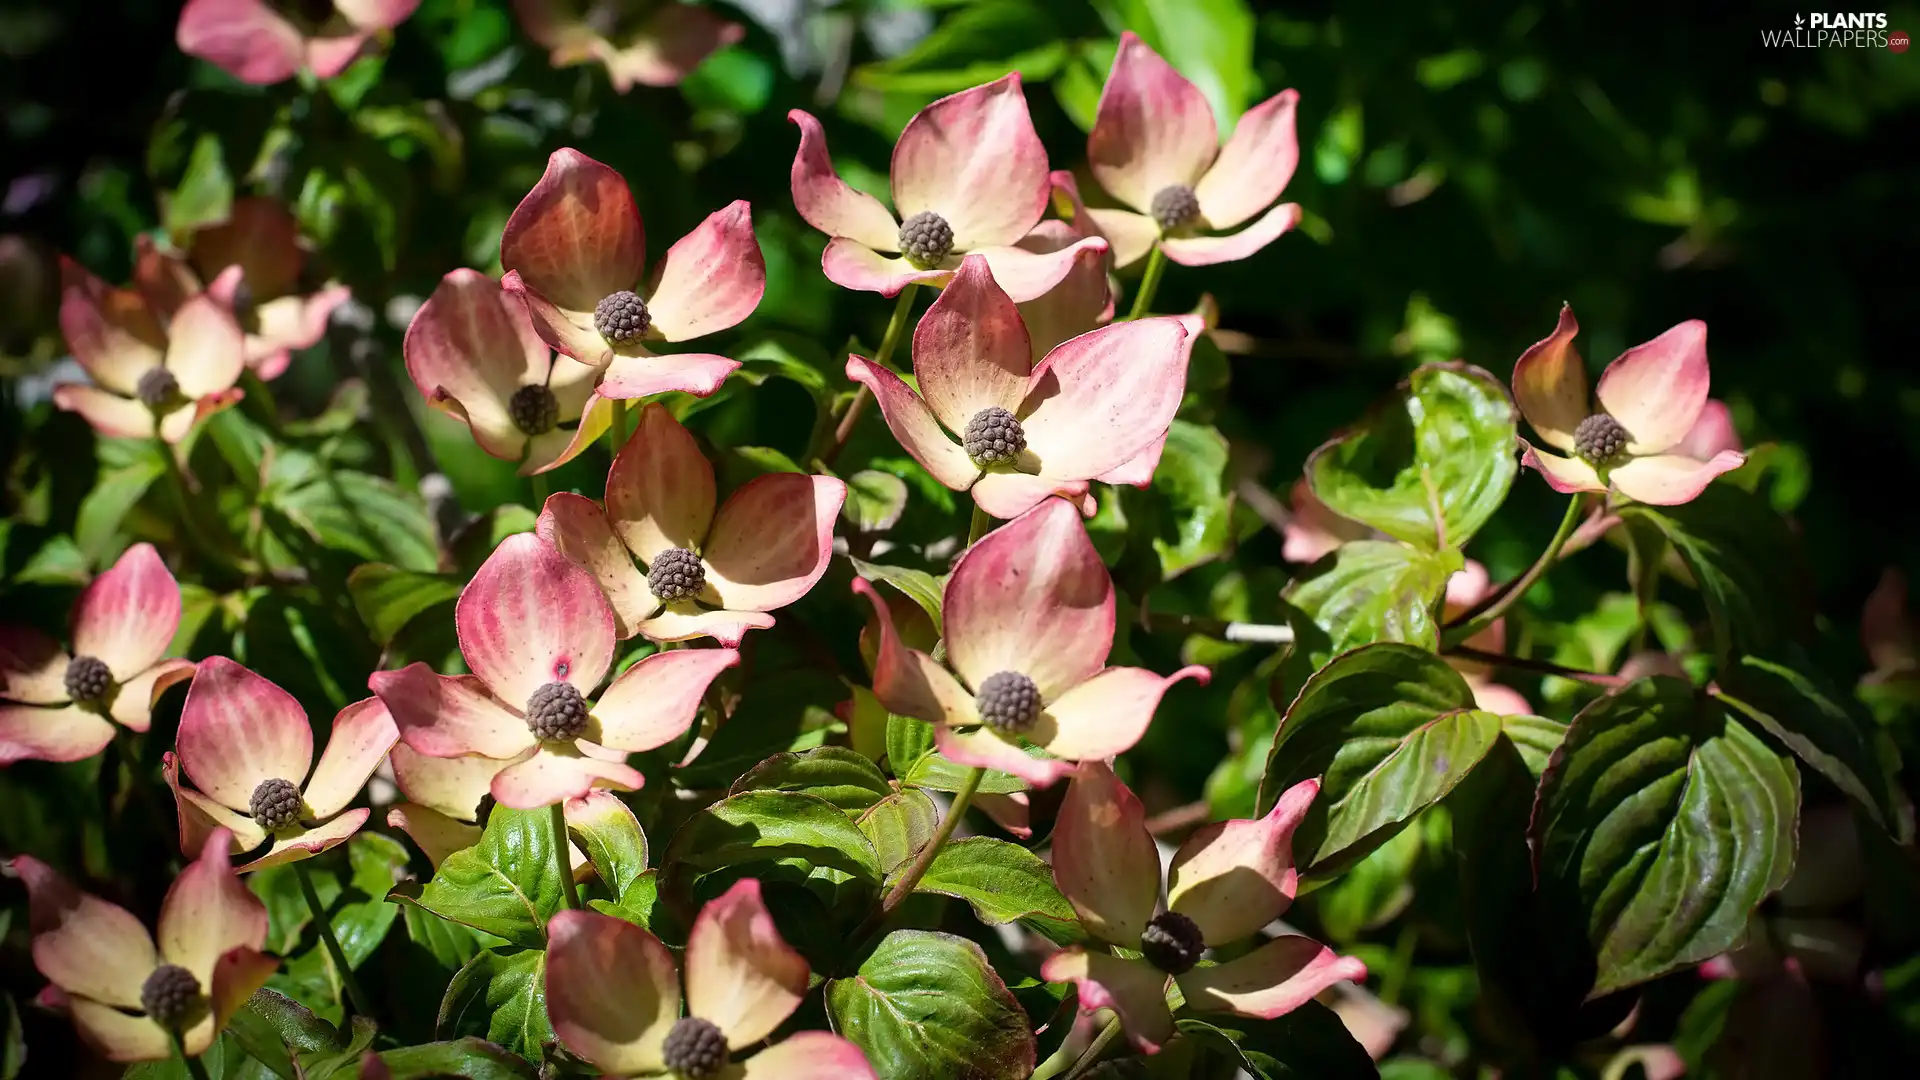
1600 440
88 679
556 711
926 240
676 574
156 387
534 409
1009 703
275 804
243 301
695 1048
1172 943
171 996
622 317
993 436
1175 207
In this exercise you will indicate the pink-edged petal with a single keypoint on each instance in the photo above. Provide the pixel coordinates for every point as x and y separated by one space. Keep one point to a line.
612 991
1671 479
109 414
771 540
206 350
113 333
711 278
851 264
33 667
200 816
1129 235
1234 877
1563 474
530 617
128 615
1255 165
1270 981
1082 301
1131 988
1657 390
363 732
450 715
176 425
329 55
974 159
1107 714
567 330
84 945
741 975
133 704
246 37
809 1055
660 489
293 847
376 14
1711 433
1501 700
162 275
667 49
1012 812
453 786
295 322
914 425
473 344
686 622
1031 596
434 833
1153 129
118 1036
208 911
238 729
1137 470
987 750
1104 860
1550 384
559 446
1467 587
1208 250
1028 275
825 200
577 526
907 681
50 733
1100 399
558 772
970 350
638 376
1314 530
577 235
236 975
656 700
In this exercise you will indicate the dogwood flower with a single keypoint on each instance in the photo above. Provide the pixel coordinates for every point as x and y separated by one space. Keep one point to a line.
246 745
129 997
1026 431
1156 148
575 251
1029 622
1467 587
614 997
57 707
538 637
473 353
262 42
1225 883
261 237
968 175
1649 400
445 801
640 44
706 573
151 372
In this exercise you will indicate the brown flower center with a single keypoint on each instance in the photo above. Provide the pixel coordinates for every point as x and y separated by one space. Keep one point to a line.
1172 943
1600 441
557 711
622 317
926 240
1175 207
88 679
1008 702
993 437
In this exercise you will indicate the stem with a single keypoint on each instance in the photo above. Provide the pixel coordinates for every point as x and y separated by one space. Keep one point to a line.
616 427
1544 667
1474 622
904 887
1396 976
1149 283
982 523
896 327
1091 1055
189 516
569 894
541 489
355 999
1161 622
195 1068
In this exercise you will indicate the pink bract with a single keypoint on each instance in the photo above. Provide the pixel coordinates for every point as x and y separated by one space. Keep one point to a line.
125 621
1155 144
763 549
577 239
1029 602
257 43
974 161
1654 394
538 636
655 45
1467 587
1090 409
1314 529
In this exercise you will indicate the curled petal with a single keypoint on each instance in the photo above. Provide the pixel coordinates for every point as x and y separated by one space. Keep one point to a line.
577 235
1033 597
741 975
33 666
473 344
612 991
809 1055
1671 479
914 425
363 732
200 816
436 834
1132 988
84 945
772 539
660 490
1130 235
236 975
132 706
853 265
1234 877
120 1037
453 786
112 332
711 278
238 729
109 414
570 331
1100 399
556 773
970 350
1007 495
577 526
1255 165
656 700
668 47
128 615
559 446
907 681
294 322
825 200
293 847
1563 474
209 912
247 38
1028 275
51 733
637 376
1012 812
450 715
1711 433
1153 129
1550 384
331 54
1107 714
1208 250
1270 981
206 350
989 751
175 426
1137 471
1104 860
974 159
530 617
1657 390
685 622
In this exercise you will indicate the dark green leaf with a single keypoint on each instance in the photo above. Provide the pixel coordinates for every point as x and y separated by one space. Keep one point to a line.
840 776
1208 41
115 494
928 1006
205 194
936 773
1308 1043
506 994
1002 882
611 838
765 826
507 885
388 597
367 516
471 1059
1378 591
875 500
1742 559
977 44
908 740
1195 510
918 585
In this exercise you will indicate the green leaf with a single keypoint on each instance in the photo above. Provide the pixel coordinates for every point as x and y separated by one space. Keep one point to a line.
899 826
1373 892
367 516
472 1059
1195 508
1739 552
1429 465
205 194
1390 729
1209 41
506 992
1660 825
779 711
1308 1043
975 45
936 773
506 885
613 842
840 776
766 826
908 740
928 1006
1377 591
97 524
918 585
289 1039
360 916
875 500
388 597
449 943
1002 882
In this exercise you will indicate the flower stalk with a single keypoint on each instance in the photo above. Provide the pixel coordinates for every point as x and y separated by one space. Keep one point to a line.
1149 284
1475 621
911 879
896 326
354 998
569 892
